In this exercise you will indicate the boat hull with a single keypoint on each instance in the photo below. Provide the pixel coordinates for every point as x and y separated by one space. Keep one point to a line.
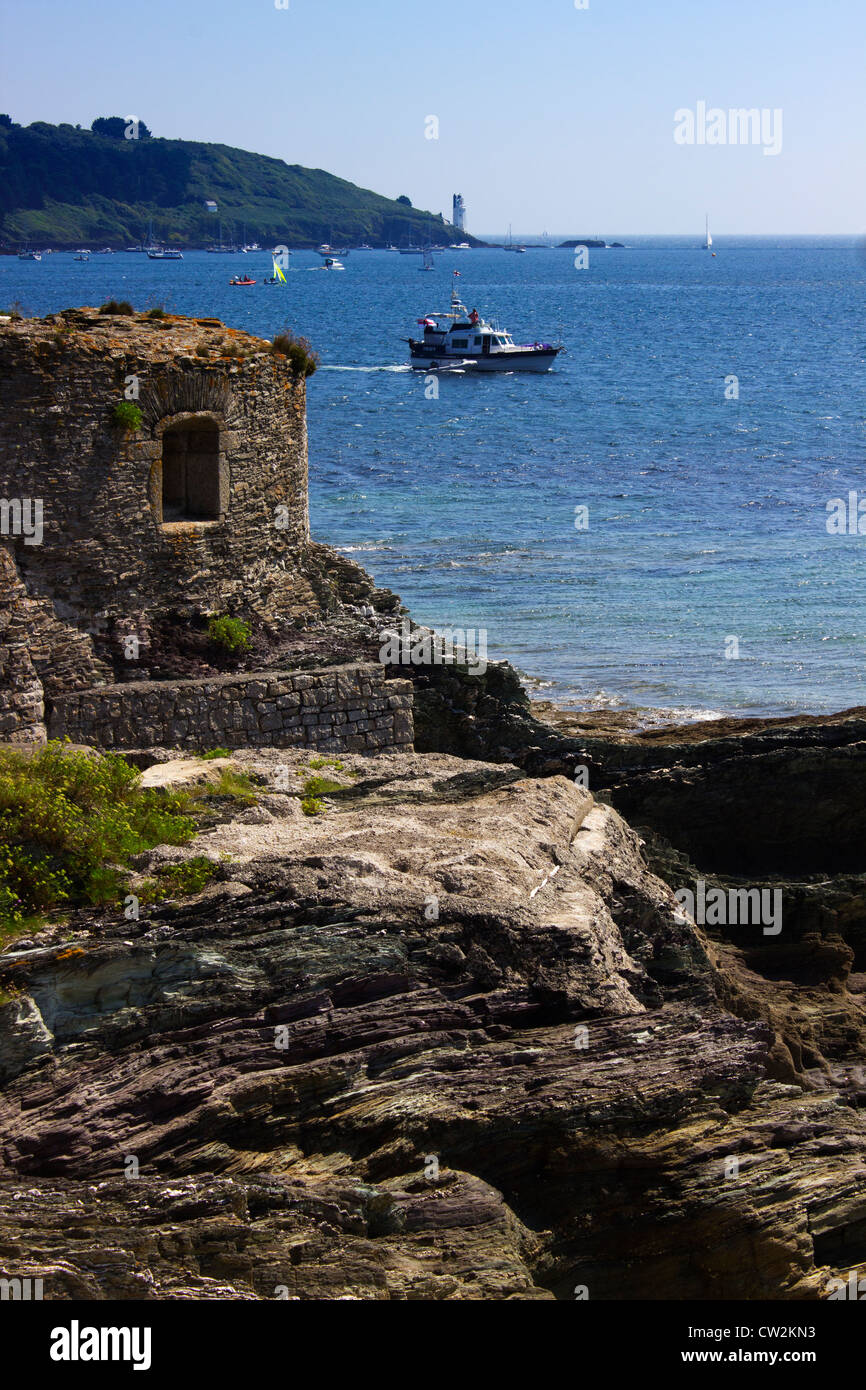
532 360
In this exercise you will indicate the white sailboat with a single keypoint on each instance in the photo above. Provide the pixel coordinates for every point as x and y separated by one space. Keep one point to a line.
708 241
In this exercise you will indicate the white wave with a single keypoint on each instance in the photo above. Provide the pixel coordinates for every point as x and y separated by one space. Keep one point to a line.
329 367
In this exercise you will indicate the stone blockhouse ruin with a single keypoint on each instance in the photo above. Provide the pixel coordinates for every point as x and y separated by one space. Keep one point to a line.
151 468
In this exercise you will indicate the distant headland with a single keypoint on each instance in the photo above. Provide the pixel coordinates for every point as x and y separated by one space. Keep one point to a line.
63 186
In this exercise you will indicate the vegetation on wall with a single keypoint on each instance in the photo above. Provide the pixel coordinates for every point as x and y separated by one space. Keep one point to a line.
232 634
302 357
127 415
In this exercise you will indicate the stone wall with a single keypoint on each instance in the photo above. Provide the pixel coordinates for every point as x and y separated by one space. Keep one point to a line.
110 557
31 640
334 709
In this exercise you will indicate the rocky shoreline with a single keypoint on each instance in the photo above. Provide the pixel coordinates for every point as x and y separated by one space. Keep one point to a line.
452 1039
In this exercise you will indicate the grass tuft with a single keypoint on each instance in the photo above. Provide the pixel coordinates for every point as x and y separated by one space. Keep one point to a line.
127 415
299 351
69 824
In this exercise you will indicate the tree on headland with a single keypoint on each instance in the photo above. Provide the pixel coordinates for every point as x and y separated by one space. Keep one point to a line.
114 128
404 200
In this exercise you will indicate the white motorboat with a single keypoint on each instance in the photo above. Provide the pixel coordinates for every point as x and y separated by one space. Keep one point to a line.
469 341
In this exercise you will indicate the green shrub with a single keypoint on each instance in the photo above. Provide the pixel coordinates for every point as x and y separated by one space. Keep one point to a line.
313 790
320 786
69 824
230 633
236 786
157 312
215 753
127 415
302 358
179 880
116 306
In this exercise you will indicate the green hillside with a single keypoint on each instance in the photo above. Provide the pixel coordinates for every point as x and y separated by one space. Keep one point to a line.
62 186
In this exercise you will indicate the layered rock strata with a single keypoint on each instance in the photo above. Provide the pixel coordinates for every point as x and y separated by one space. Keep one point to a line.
450 1039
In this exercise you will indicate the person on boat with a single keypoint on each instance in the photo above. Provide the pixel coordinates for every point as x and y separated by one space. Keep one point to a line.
473 317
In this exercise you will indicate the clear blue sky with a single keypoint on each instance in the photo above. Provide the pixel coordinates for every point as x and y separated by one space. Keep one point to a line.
550 117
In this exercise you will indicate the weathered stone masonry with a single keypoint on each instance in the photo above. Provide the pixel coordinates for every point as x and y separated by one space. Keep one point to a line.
200 508
203 508
206 502
334 709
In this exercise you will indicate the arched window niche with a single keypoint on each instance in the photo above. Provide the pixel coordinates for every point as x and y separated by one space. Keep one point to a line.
190 480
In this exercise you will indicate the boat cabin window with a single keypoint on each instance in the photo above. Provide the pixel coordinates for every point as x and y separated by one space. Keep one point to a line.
477 342
460 342
191 472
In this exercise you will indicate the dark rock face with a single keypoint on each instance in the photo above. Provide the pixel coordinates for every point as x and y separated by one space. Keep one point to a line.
449 1040
773 800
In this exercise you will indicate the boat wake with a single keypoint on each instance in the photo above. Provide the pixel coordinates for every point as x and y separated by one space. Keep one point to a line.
399 367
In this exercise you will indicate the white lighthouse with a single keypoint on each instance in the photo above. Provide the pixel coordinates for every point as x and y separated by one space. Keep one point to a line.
458 214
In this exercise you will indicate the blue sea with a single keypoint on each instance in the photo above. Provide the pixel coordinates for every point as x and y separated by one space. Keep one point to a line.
705 581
